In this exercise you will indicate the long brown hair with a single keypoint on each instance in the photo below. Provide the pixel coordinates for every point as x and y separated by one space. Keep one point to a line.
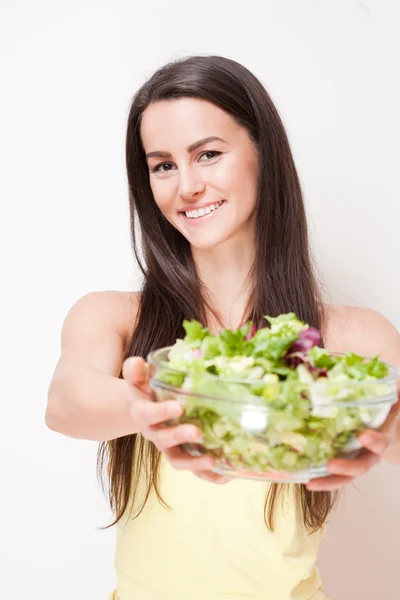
285 278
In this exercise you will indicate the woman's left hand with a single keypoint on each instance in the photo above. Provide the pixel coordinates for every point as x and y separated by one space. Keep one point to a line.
375 442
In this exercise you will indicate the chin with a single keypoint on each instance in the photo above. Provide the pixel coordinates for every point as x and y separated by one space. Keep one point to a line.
208 242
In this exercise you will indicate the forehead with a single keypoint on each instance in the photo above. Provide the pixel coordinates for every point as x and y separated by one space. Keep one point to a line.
178 123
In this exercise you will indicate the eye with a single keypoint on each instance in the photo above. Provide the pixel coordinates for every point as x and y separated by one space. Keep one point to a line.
158 167
211 152
160 170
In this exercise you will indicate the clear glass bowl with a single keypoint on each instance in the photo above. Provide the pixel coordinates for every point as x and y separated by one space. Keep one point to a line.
246 437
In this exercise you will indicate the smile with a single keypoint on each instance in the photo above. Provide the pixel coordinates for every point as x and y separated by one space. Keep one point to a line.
202 212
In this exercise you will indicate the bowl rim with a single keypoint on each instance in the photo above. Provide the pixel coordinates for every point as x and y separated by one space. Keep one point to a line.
391 378
262 406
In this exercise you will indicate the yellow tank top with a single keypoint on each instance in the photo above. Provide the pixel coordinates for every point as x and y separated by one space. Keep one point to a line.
213 544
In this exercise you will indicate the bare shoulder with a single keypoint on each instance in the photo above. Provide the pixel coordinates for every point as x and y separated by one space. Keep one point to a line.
122 308
96 329
115 308
361 330
129 303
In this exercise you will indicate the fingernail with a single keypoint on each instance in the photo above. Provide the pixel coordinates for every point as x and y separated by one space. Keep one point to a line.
175 410
189 432
336 469
366 438
316 487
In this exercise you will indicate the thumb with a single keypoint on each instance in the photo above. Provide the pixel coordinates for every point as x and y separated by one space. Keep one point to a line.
135 371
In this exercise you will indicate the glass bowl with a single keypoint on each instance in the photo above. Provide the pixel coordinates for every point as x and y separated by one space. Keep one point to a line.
276 440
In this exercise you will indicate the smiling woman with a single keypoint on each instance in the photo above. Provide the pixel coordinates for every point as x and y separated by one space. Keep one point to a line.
203 132
224 239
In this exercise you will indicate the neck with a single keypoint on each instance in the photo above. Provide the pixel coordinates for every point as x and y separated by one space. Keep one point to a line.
225 271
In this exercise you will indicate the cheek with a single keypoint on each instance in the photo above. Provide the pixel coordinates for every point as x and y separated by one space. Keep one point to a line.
241 179
162 193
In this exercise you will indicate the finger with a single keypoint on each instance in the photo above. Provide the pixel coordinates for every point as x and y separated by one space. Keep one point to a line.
180 459
393 414
328 484
167 437
213 477
354 467
148 413
376 441
136 371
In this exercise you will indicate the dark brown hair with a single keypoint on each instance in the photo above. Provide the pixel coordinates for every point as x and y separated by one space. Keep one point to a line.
283 273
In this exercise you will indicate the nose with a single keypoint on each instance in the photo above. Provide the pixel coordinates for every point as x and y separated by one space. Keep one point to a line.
190 186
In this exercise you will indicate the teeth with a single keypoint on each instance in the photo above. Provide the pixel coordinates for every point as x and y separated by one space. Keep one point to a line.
194 214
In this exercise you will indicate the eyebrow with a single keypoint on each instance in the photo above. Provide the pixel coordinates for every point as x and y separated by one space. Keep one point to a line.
164 154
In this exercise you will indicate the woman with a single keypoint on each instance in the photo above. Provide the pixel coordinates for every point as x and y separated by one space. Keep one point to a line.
215 192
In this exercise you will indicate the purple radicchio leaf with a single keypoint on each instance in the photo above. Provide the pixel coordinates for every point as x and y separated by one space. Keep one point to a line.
296 354
251 333
318 371
298 358
308 338
295 359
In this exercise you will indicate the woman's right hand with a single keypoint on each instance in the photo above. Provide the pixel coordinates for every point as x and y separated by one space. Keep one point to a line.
149 418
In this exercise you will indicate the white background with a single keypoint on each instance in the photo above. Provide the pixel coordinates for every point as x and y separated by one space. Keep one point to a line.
68 72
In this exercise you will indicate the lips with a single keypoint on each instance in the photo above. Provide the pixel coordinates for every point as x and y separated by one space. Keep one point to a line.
195 221
192 208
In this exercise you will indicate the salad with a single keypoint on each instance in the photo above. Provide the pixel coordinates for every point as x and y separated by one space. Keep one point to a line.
272 399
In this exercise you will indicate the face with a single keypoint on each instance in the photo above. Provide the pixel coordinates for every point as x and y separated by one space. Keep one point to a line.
206 189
